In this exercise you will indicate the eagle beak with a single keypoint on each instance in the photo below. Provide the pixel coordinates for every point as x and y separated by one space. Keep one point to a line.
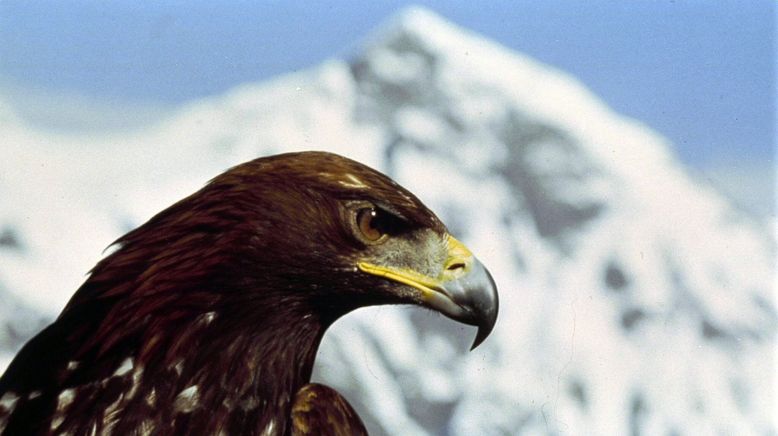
464 291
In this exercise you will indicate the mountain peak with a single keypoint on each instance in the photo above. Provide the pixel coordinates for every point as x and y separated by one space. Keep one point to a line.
422 23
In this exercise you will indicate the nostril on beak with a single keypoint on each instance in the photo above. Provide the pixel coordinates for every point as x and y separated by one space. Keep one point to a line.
455 266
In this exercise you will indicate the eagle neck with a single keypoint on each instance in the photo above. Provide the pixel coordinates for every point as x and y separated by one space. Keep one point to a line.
259 368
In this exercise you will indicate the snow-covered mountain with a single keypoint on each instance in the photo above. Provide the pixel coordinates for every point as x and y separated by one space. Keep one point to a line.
633 299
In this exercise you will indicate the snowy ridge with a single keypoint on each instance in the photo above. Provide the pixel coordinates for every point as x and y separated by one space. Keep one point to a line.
633 299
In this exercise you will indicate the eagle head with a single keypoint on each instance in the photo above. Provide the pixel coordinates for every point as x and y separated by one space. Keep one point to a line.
342 236
207 318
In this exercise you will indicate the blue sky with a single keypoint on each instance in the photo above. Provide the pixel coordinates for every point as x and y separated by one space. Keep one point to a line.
701 73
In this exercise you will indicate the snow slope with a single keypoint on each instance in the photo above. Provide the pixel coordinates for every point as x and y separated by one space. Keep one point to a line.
634 300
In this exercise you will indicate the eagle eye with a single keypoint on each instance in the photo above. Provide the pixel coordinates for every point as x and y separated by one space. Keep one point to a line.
368 225
374 225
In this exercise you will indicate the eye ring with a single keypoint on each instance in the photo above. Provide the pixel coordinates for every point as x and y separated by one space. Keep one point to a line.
367 227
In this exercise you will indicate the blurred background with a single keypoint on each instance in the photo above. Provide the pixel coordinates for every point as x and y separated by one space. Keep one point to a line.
701 75
614 166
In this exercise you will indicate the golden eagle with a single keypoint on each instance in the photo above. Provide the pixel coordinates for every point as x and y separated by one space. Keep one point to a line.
207 318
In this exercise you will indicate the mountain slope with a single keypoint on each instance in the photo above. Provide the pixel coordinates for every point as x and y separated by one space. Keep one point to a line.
633 299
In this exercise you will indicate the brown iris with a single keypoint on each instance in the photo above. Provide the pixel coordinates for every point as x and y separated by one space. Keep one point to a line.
368 226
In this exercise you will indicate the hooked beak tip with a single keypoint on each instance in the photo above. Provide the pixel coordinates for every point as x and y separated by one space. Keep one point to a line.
486 310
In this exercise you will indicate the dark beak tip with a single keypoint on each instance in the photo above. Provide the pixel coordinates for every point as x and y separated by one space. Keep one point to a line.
488 317
480 337
484 330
